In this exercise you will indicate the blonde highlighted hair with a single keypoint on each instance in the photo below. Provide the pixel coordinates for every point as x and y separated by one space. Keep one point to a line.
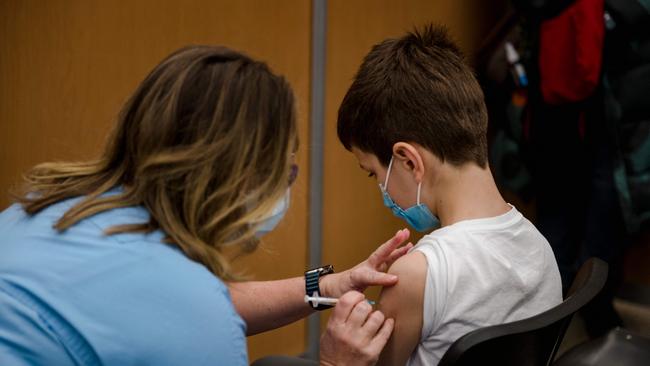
204 144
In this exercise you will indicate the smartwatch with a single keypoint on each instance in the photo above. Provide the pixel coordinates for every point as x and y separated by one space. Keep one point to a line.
311 283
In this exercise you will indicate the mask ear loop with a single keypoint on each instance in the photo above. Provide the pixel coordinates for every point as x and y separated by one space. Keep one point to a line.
388 173
418 196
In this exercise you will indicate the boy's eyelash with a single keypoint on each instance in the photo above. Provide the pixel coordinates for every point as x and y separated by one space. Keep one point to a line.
370 175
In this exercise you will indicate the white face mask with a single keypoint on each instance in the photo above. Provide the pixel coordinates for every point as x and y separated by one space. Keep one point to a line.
276 216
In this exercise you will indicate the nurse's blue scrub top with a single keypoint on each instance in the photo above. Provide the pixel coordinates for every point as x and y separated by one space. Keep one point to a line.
85 298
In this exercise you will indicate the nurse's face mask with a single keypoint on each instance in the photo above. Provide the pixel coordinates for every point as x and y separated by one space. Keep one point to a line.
418 216
280 208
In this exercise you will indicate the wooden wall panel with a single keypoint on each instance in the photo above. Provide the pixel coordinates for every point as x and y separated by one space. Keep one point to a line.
66 67
355 220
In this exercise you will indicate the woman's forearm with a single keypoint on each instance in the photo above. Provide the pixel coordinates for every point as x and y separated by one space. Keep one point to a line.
266 305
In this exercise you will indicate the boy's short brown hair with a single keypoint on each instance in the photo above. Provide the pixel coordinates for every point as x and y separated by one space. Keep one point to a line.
416 89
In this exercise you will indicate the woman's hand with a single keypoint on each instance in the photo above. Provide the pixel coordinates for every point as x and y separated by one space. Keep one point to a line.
355 334
369 272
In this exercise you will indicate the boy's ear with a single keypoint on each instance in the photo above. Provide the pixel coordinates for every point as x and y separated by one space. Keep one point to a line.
408 155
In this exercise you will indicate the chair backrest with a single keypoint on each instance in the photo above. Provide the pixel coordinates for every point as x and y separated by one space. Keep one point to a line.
531 341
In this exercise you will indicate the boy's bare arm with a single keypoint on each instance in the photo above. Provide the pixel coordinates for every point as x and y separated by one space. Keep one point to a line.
404 303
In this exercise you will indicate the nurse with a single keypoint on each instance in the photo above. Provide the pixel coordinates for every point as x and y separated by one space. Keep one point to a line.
125 260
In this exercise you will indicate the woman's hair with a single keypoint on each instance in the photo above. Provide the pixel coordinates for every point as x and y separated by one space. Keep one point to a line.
204 144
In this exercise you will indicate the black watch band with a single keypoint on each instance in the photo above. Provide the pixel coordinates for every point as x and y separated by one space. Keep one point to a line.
311 283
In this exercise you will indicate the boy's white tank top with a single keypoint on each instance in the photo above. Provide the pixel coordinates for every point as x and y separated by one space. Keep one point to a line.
483 272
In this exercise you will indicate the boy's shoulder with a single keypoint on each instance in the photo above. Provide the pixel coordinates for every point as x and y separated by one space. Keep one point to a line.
411 270
409 265
464 230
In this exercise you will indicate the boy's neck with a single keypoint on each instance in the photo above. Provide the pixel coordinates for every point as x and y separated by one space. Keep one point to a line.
465 193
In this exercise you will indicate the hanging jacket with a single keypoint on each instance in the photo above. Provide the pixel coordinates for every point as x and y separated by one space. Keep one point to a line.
626 81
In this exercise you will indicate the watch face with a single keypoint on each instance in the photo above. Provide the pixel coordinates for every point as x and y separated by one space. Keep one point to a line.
322 270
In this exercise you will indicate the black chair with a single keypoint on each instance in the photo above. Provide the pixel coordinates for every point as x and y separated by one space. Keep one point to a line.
531 341
284 361
618 347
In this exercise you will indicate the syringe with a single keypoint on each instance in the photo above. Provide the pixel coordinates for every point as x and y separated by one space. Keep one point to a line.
317 300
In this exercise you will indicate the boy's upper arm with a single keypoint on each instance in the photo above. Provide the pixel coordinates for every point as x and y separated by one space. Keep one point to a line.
404 303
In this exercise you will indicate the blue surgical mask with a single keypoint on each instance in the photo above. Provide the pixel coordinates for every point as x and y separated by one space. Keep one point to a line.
418 216
276 216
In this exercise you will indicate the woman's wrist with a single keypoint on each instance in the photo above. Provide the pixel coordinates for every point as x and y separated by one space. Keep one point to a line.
328 285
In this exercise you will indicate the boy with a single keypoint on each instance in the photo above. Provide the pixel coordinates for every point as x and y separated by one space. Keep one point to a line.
415 120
